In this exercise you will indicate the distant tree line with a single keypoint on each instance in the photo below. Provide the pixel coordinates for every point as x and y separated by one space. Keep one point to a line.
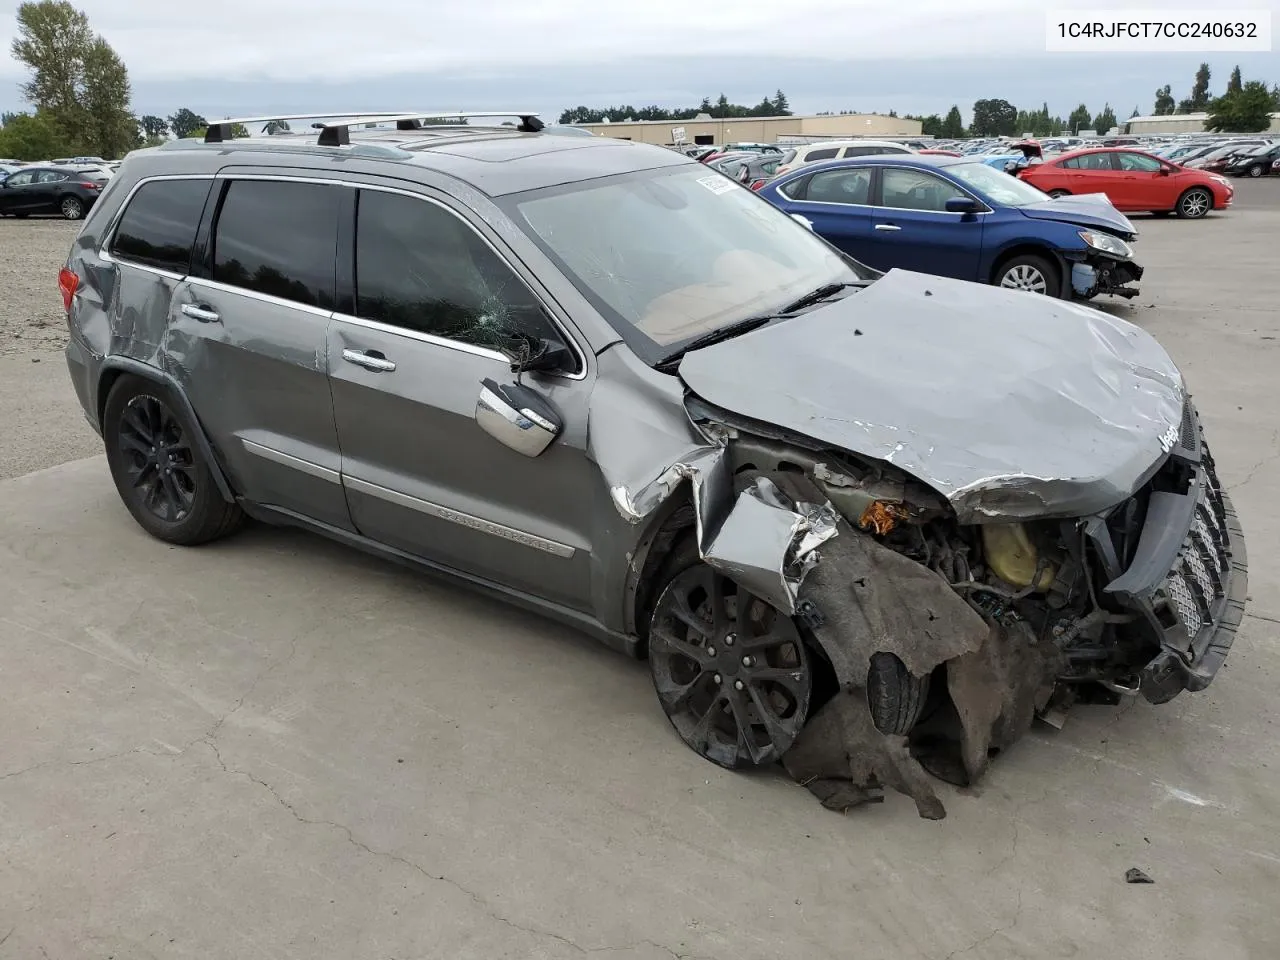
720 108
1244 107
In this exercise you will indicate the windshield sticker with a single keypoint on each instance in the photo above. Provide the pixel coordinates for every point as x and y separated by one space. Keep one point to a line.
717 184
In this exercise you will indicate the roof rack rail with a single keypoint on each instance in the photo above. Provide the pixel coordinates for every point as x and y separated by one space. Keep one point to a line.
338 134
220 130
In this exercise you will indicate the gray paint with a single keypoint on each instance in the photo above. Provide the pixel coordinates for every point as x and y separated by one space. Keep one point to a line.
1011 405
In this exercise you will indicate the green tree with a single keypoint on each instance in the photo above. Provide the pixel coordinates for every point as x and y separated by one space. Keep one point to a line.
994 118
38 137
153 127
1165 103
1199 98
185 123
1106 120
76 79
931 126
1234 84
1080 119
52 42
109 126
1275 97
781 106
1245 111
953 124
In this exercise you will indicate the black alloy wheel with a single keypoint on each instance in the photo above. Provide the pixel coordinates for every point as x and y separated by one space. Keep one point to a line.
731 671
159 466
157 458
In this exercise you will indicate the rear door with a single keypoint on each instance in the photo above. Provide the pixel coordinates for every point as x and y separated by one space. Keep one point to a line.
1091 173
248 340
432 299
912 229
838 204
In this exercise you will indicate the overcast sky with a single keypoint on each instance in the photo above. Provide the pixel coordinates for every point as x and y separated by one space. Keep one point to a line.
251 56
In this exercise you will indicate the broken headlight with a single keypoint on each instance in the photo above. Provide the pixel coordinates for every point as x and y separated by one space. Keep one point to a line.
1105 243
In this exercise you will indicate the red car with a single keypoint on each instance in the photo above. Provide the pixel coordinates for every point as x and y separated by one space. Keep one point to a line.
1132 181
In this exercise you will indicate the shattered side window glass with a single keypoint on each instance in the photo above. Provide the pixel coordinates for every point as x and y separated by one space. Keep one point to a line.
422 268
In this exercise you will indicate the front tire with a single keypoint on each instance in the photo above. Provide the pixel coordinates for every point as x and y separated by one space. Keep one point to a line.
731 672
72 208
1055 194
1029 272
158 468
1256 170
1194 203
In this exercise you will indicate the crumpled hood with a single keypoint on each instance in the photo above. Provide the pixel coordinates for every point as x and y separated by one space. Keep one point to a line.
1087 210
1012 405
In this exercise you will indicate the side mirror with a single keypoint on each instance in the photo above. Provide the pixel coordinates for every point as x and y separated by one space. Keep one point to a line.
802 220
516 417
1165 171
961 205
530 353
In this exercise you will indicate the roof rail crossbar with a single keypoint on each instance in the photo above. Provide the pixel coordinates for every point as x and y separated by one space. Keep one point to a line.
338 133
220 130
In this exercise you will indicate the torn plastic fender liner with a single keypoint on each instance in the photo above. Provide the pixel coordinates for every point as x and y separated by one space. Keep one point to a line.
767 545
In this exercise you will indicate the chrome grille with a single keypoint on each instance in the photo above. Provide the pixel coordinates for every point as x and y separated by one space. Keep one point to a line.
1196 582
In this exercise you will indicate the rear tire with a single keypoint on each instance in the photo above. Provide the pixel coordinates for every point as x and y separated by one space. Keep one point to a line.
1256 170
1055 194
1194 203
72 208
1029 272
158 468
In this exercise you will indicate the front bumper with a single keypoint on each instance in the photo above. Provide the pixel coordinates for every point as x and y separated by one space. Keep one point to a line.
1188 576
1101 274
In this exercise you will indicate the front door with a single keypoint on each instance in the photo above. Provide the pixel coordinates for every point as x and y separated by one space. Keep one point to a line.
248 340
432 300
911 228
1092 173
1143 182
16 195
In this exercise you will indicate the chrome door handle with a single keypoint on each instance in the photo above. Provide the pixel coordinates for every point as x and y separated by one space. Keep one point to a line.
203 314
368 361
887 226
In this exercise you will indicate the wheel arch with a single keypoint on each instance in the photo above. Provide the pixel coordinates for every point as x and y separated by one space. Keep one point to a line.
115 367
1037 248
668 525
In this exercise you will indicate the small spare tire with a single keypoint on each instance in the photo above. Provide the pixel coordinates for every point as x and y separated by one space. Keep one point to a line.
895 697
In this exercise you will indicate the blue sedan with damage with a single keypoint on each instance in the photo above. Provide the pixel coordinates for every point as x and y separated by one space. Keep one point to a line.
958 217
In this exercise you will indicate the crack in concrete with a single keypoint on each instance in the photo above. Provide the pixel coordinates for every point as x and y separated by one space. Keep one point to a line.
488 909
79 763
1262 616
1275 442
7 936
262 675
982 941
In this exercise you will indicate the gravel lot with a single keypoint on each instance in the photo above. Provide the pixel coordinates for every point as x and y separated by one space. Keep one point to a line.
276 747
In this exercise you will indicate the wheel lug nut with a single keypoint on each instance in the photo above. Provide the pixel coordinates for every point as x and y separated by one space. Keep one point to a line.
716 678
738 685
728 640
711 651
748 661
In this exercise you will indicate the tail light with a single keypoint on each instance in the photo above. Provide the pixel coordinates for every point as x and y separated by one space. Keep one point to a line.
68 282
90 184
757 184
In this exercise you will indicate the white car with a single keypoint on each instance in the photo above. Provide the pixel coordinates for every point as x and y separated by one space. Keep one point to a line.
832 149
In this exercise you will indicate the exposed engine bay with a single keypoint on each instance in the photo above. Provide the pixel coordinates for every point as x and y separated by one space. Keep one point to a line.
941 641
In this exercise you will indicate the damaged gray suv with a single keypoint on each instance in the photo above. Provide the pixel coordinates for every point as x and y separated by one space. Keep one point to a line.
868 526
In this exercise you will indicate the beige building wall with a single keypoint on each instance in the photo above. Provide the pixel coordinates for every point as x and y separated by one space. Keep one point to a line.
1182 123
759 129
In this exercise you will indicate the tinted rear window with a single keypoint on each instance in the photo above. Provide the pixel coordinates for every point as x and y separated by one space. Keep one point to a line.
159 224
826 153
280 239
